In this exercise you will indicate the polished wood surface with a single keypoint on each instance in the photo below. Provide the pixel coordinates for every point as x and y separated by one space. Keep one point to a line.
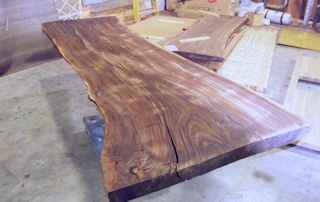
167 119
208 39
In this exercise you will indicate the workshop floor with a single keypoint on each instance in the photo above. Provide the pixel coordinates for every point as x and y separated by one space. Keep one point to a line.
23 44
45 153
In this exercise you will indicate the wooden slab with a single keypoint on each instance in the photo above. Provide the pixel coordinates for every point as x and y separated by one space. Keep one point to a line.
161 29
300 39
305 102
67 9
158 29
167 119
209 38
249 64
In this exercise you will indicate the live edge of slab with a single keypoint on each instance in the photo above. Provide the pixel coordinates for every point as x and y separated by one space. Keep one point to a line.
166 118
161 182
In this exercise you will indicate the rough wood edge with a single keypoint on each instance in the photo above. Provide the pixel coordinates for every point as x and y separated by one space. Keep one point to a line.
150 186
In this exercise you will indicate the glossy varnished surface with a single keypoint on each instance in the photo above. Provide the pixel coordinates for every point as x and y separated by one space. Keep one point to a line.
166 118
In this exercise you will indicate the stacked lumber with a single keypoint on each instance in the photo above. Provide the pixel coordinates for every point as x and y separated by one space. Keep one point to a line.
166 118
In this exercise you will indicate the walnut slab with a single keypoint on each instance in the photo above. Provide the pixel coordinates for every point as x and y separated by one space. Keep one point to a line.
209 39
167 119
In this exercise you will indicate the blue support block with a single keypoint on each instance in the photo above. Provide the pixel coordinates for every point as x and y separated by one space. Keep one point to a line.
95 129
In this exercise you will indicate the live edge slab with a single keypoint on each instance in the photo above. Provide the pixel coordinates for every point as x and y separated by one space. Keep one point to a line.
167 119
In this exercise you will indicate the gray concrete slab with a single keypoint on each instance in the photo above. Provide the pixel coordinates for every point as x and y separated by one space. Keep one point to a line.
45 153
283 63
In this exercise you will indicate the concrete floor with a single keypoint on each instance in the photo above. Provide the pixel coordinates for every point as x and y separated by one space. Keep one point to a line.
23 44
45 153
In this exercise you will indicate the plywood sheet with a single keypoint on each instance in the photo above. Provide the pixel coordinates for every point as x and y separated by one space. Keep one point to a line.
209 38
250 62
67 9
300 39
158 29
305 102
166 119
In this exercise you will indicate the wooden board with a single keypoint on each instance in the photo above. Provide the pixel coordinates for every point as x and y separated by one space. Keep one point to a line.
209 38
250 62
167 119
305 102
300 39
158 29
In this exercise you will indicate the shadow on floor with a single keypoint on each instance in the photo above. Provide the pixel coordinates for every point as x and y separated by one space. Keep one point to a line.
65 106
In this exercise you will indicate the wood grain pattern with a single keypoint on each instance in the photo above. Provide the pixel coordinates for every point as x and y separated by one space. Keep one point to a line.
298 38
220 30
306 102
250 62
171 4
167 119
